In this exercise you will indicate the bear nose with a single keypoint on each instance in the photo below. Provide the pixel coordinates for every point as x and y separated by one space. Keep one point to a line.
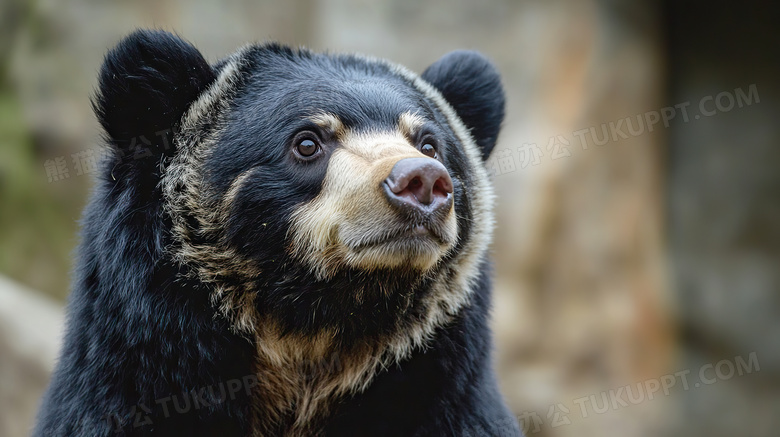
421 184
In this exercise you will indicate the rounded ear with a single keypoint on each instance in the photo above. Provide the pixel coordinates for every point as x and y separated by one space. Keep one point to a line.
145 84
472 85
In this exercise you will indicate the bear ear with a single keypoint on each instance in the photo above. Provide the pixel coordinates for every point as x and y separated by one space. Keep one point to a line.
145 84
472 85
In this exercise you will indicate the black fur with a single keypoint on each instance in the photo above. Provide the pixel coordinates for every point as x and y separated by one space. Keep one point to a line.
142 334
472 85
137 332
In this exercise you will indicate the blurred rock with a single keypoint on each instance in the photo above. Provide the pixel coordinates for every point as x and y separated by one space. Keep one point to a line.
30 331
724 209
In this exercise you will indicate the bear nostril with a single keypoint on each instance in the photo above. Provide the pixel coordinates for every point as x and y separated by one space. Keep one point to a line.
442 187
419 184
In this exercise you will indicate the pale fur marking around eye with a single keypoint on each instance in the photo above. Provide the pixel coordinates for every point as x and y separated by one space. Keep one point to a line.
409 123
330 123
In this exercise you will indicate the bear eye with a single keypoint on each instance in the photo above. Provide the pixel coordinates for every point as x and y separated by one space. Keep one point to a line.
307 145
428 148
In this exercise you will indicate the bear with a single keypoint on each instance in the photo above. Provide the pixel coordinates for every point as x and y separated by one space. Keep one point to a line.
284 243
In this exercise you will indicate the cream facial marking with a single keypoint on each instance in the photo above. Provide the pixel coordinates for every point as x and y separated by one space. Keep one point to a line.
330 123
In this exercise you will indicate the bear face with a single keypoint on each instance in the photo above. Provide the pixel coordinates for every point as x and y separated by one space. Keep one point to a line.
332 202
327 203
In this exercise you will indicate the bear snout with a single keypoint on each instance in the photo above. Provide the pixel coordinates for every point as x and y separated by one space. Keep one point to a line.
419 185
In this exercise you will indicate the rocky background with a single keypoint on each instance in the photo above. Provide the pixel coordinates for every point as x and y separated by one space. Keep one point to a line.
638 241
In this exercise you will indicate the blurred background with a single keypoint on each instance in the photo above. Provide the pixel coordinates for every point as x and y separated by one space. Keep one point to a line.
637 248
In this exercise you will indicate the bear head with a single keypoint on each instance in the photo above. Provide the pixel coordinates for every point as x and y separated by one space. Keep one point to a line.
315 196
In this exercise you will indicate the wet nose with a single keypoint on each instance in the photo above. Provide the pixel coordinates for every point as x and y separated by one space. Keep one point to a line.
421 184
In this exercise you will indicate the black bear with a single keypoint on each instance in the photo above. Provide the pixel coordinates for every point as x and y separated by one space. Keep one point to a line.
284 243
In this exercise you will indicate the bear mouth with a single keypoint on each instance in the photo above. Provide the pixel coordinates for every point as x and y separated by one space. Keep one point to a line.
412 238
